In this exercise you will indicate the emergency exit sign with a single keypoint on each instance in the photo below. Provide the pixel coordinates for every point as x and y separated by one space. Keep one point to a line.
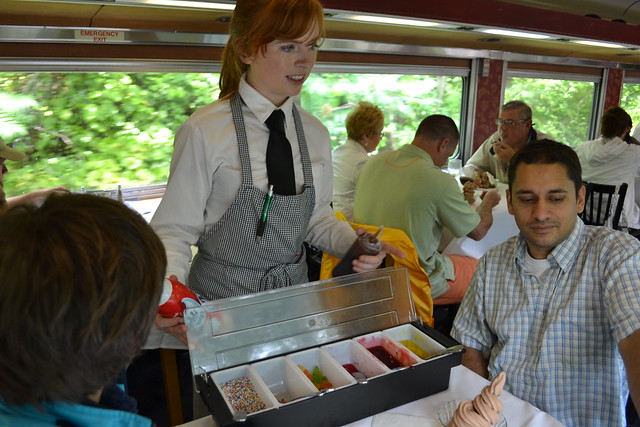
99 36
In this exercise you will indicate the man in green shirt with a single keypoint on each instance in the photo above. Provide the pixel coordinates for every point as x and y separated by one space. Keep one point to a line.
407 189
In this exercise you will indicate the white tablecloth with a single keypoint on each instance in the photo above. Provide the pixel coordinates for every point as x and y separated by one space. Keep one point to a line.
463 384
503 227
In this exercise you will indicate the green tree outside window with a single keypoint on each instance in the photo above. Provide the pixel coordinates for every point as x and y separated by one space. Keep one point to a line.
101 130
561 108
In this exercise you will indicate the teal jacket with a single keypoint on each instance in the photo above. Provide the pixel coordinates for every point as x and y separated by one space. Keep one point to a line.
64 414
77 414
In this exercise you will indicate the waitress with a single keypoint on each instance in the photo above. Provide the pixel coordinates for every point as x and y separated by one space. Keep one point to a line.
250 239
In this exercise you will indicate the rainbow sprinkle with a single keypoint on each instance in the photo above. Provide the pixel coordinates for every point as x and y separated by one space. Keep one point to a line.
242 395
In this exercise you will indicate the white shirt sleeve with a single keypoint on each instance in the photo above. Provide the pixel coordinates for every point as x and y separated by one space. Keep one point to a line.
206 174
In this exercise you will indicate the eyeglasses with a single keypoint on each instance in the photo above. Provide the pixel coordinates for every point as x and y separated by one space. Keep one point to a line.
510 122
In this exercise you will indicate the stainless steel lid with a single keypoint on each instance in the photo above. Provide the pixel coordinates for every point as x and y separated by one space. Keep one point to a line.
239 330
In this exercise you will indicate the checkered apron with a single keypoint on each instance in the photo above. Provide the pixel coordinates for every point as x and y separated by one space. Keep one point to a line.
230 261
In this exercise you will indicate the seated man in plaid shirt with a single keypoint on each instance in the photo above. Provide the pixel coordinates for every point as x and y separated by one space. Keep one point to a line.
556 307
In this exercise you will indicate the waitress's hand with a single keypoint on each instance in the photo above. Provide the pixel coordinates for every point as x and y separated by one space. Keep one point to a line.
371 262
172 325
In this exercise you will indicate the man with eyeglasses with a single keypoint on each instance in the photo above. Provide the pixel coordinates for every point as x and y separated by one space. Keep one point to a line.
515 130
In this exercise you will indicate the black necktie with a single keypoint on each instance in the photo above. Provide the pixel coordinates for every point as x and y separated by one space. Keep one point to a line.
279 157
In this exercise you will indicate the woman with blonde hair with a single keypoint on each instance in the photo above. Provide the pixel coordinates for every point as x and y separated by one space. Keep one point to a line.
243 194
364 131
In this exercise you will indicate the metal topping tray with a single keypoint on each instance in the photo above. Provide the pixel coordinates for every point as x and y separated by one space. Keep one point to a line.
239 330
268 339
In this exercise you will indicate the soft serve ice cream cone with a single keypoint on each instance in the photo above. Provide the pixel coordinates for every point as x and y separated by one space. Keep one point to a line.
484 410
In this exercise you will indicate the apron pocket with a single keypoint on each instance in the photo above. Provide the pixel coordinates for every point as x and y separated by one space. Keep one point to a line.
285 275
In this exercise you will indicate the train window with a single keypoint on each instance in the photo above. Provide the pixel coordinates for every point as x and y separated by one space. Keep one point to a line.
630 100
404 99
562 106
96 130
102 129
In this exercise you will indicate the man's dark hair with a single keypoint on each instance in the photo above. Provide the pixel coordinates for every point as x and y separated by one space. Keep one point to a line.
546 152
524 111
436 127
81 280
614 121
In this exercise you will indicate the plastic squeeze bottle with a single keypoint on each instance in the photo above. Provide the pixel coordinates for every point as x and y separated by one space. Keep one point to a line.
365 244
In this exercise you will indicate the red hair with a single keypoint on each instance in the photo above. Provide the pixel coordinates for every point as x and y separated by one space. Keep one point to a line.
248 34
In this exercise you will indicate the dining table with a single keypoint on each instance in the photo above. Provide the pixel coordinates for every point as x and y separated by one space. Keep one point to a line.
463 384
503 227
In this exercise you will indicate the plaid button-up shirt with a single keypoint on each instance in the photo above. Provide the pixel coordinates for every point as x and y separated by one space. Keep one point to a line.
556 337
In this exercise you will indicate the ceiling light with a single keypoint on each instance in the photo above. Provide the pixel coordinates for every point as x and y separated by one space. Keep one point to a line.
390 20
599 44
510 33
182 3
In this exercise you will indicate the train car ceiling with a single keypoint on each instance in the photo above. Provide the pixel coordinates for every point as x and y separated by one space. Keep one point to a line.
544 31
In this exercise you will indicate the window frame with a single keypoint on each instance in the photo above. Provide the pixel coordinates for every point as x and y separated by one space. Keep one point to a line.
587 75
86 65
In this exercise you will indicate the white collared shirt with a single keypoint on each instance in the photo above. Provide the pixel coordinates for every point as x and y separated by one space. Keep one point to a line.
205 176
557 336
